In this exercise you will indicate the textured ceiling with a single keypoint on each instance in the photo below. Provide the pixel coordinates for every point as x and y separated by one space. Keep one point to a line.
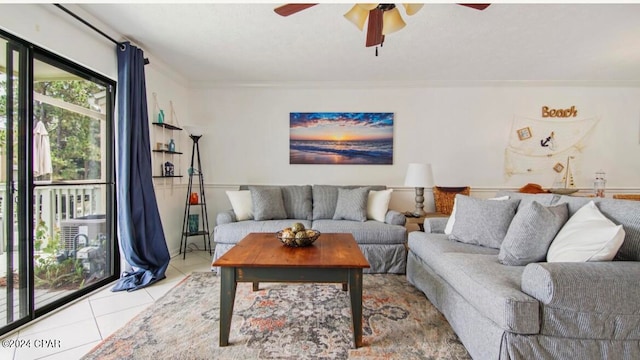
249 43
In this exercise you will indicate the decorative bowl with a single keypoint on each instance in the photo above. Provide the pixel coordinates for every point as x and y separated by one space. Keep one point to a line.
299 241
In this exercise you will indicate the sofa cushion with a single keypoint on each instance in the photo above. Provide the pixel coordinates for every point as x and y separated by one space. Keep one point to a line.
525 198
233 232
493 289
241 203
298 201
482 222
452 218
530 233
367 232
267 203
627 214
621 212
325 198
475 273
351 204
587 236
431 247
574 203
378 204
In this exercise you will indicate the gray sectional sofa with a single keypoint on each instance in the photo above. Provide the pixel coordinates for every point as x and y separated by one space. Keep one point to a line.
382 243
541 310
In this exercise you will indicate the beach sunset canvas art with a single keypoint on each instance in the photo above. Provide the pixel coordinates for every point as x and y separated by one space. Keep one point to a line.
341 138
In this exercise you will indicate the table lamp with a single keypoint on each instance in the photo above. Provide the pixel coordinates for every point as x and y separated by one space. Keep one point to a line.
419 176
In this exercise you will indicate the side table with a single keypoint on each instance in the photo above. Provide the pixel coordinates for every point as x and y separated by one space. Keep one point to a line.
419 221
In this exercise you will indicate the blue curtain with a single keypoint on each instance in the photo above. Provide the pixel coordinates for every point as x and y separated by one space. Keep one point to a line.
140 229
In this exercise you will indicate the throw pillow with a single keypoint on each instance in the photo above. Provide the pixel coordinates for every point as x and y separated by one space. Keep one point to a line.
297 201
378 204
325 198
352 204
482 222
452 218
531 232
267 203
587 236
241 204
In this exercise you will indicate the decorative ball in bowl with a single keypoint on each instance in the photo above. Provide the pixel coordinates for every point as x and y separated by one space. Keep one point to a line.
297 236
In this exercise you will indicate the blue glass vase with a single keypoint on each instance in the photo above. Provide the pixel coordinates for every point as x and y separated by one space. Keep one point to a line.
193 223
161 116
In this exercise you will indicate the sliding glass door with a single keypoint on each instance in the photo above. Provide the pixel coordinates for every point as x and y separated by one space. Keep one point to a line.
57 193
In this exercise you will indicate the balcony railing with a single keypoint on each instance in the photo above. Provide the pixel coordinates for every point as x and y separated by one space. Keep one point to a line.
54 204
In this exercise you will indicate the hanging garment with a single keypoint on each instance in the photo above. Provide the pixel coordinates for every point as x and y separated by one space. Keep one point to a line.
41 151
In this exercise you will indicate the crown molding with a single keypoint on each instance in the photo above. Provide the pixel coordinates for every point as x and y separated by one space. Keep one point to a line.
411 84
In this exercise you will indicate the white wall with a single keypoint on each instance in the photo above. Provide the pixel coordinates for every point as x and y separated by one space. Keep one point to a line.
461 130
51 29
170 193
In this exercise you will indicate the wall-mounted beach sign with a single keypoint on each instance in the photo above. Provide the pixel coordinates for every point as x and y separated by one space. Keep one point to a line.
340 138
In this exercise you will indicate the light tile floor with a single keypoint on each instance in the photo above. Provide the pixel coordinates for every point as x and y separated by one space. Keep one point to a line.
74 330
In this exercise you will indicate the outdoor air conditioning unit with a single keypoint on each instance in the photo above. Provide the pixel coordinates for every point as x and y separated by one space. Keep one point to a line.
91 226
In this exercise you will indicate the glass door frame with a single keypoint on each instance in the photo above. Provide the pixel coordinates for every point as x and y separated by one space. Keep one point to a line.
14 187
25 184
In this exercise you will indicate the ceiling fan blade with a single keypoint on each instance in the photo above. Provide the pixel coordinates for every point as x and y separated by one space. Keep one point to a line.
476 6
374 30
290 9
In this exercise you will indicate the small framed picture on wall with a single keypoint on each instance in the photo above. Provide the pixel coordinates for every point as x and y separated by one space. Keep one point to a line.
558 167
524 133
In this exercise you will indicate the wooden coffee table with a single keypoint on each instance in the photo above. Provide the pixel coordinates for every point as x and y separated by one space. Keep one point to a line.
261 257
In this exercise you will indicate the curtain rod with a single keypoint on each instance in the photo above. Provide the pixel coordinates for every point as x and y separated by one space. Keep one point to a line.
146 61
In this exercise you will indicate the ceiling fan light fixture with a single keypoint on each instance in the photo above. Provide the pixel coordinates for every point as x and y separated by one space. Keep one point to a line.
392 21
412 8
357 15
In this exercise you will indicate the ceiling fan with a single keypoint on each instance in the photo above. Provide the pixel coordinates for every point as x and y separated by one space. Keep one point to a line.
383 18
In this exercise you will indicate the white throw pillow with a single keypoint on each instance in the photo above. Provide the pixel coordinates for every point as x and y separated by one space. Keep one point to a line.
378 204
452 218
587 236
241 203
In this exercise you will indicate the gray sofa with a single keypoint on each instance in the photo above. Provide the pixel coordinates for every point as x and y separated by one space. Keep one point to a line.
543 310
382 243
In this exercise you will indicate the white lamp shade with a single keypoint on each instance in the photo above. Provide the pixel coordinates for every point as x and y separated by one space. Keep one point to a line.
419 175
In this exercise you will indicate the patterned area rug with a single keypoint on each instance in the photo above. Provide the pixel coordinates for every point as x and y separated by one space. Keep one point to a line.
286 321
